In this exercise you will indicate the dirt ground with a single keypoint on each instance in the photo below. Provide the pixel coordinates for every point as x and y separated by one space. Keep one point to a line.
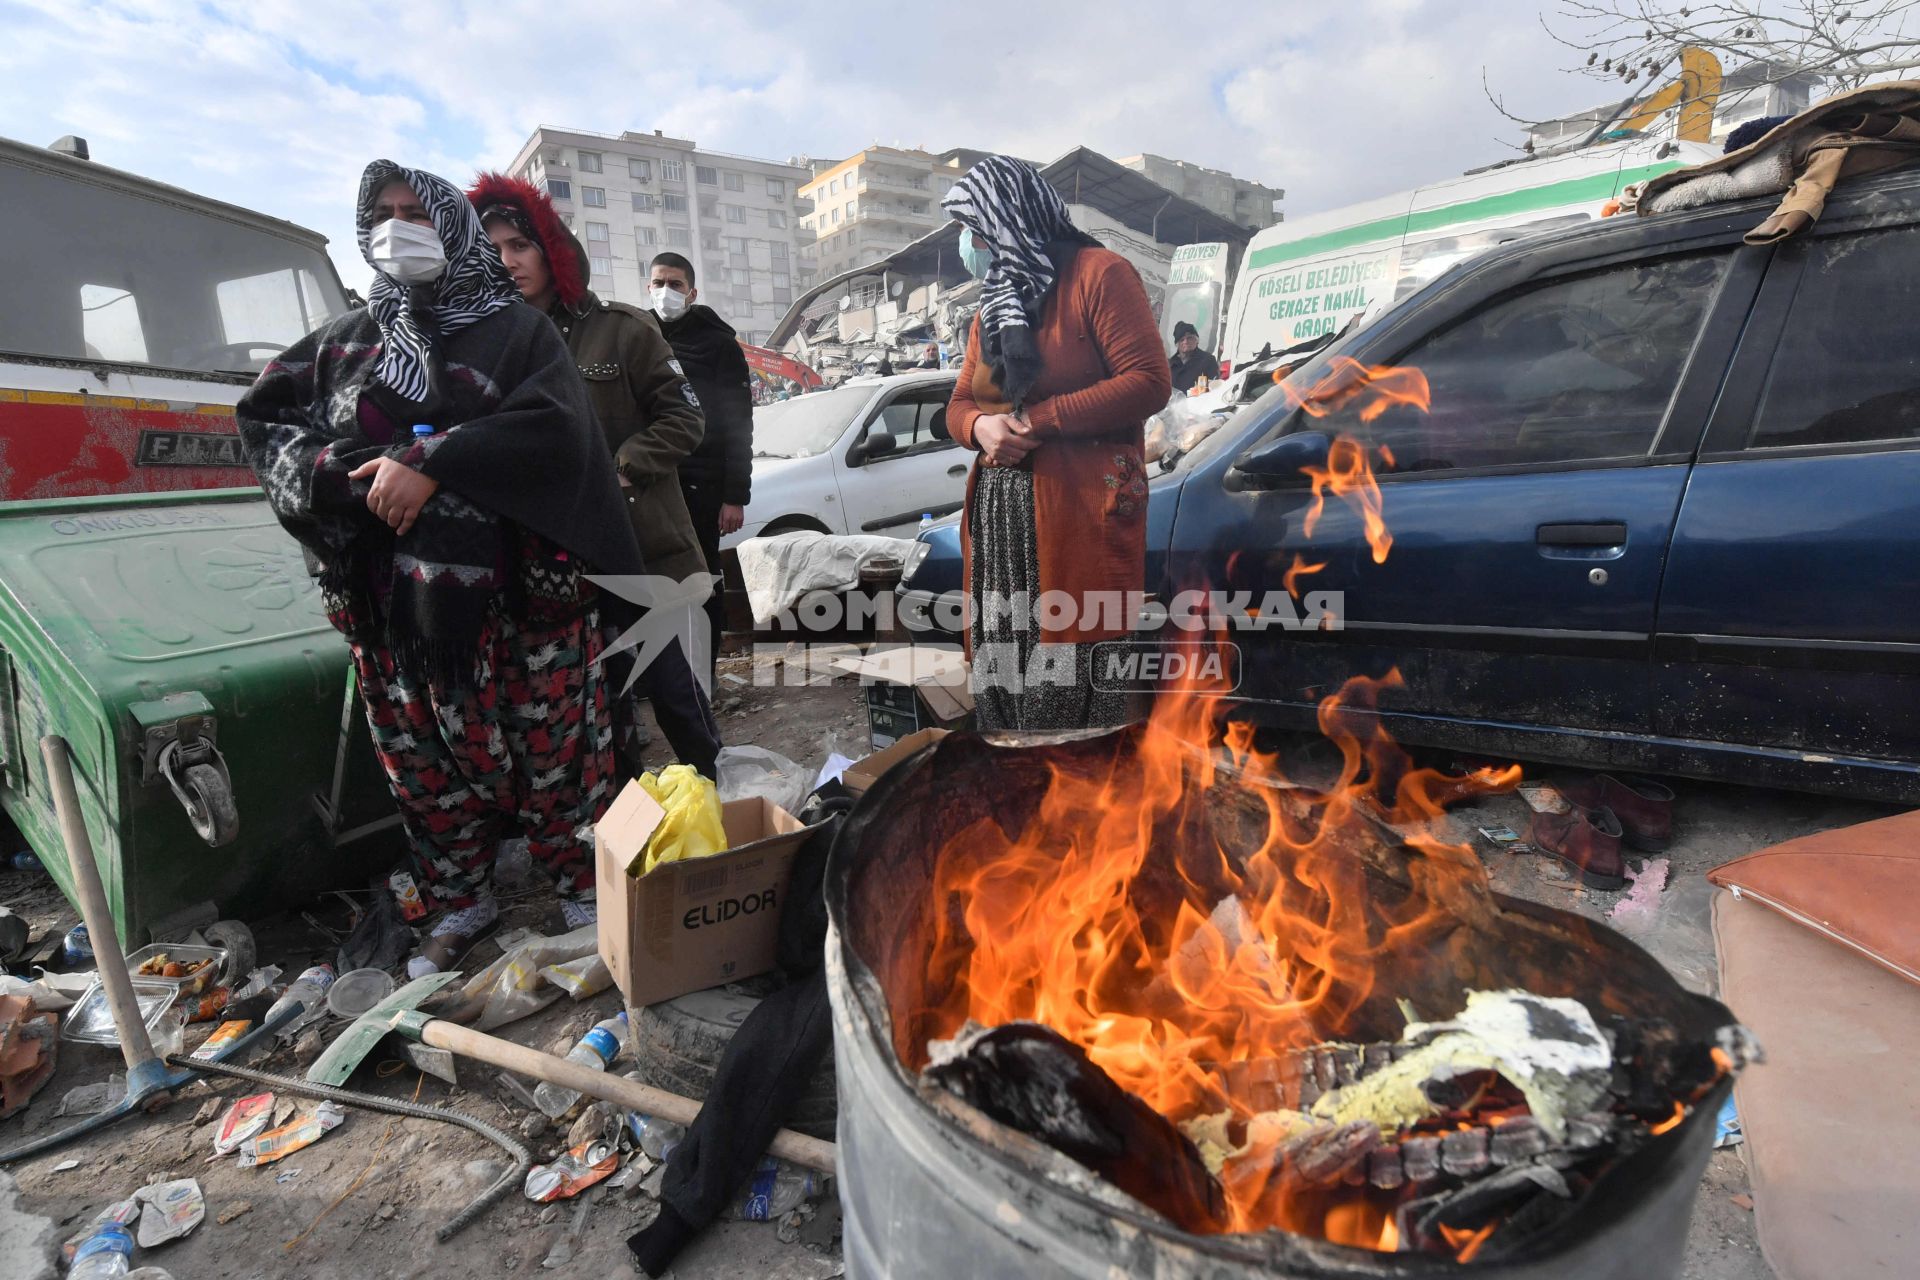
366 1200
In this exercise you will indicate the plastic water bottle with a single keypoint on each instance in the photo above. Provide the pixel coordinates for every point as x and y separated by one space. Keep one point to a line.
776 1190
596 1049
421 431
926 521
308 989
656 1137
104 1254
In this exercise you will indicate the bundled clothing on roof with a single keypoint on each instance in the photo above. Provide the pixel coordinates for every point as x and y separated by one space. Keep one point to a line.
475 633
650 418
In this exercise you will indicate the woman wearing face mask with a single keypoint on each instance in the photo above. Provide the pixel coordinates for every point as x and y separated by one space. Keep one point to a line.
1063 366
435 453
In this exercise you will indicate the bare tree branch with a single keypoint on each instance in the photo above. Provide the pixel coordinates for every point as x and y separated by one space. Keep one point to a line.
1633 43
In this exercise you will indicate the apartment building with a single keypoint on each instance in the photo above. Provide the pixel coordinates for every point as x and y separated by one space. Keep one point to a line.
629 196
873 204
1244 203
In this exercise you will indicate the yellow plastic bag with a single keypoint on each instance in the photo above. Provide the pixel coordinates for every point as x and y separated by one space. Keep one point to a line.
692 827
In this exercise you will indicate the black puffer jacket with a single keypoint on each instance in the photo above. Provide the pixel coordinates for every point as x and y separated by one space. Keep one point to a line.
717 368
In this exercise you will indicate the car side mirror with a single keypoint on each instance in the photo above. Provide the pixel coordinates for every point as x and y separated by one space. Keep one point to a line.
1281 460
878 444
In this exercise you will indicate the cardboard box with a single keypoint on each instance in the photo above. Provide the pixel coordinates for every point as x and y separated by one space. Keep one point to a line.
864 773
691 925
911 688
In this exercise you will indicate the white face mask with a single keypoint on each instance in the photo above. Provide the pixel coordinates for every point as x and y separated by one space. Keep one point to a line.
671 304
407 251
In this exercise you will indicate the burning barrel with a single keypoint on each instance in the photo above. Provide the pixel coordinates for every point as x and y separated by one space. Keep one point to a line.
1120 1005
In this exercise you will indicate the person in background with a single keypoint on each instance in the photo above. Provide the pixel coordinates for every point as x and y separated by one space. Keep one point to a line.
434 453
650 418
929 358
717 478
1063 366
1190 363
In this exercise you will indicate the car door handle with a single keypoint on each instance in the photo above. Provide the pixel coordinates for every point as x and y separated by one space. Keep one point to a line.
1597 534
959 470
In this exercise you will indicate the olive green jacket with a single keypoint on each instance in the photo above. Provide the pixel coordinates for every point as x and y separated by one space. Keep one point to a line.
651 419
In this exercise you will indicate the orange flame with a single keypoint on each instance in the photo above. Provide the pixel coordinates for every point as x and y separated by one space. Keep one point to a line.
1465 1244
1671 1122
1171 973
1290 580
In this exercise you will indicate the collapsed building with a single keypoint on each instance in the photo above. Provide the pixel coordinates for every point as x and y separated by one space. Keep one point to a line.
921 294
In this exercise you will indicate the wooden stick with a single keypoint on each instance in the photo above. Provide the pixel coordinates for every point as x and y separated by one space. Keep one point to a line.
798 1148
109 959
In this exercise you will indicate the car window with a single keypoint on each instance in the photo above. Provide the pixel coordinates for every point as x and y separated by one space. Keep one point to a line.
1571 369
1847 366
808 424
915 419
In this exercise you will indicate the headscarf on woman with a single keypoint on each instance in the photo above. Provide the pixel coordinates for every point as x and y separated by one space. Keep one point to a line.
473 285
1015 214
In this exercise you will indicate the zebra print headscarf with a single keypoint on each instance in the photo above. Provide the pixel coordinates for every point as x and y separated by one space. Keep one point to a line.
1014 213
475 283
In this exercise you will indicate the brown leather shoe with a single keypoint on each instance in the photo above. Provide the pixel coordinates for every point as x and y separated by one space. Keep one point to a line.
1644 807
1588 840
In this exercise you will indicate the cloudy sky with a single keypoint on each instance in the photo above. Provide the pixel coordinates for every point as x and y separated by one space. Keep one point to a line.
277 104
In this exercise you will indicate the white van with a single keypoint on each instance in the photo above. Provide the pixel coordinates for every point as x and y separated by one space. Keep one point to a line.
1307 277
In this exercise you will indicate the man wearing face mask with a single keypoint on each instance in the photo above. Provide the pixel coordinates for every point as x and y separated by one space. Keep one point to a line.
435 454
649 415
717 478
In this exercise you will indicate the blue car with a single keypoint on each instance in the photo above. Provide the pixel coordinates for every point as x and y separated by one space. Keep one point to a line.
1663 513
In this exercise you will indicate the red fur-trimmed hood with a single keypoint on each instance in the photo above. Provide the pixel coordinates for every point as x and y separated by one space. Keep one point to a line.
535 214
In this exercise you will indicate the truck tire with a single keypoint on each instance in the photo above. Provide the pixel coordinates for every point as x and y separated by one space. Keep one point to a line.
677 1046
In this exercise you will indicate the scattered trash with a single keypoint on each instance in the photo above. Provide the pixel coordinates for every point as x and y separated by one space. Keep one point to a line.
587 976
1726 1127
407 895
287 1177
1643 900
1543 798
512 987
223 1035
90 1021
65 1165
307 989
149 1273
513 867
1500 836
26 861
657 1137
232 1211
355 993
190 970
516 1089
531 1127
216 1002
77 948
775 1190
746 772
562 1252
598 1048
308 1047
788 1231
102 1254
14 934
171 1210
284 1110
46 997
92 1099
117 1214
655 1181
379 939
1743 1200
245 1118
279 1143
573 1172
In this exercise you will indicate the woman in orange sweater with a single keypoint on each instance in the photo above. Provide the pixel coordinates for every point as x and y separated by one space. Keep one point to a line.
1063 367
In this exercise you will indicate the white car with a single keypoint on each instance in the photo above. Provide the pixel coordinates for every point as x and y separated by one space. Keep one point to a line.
870 456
